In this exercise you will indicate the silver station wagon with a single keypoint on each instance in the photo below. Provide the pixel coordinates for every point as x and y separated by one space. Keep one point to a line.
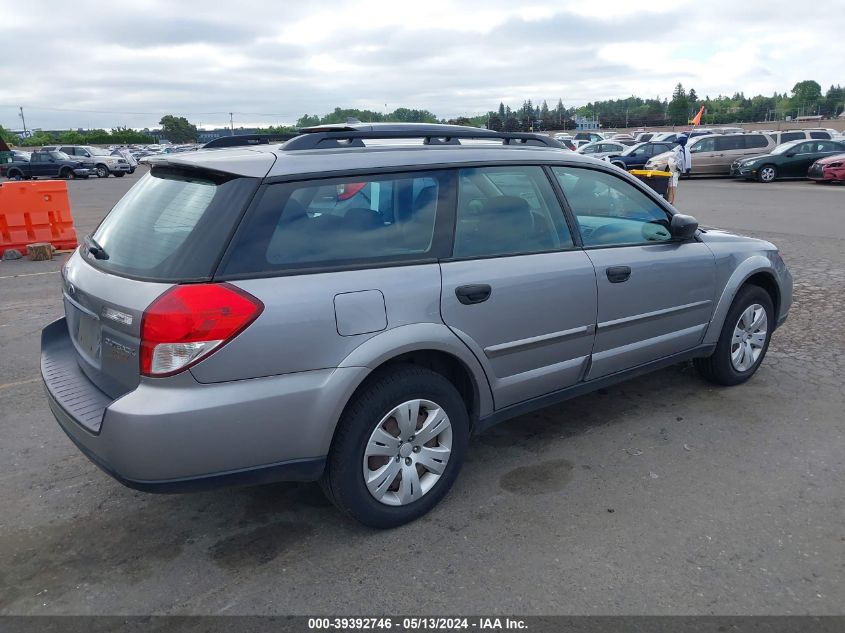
351 305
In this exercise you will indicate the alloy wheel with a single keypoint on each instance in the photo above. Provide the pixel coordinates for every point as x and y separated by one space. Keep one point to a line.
767 174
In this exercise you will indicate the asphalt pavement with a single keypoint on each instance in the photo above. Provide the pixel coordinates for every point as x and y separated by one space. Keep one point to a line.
662 495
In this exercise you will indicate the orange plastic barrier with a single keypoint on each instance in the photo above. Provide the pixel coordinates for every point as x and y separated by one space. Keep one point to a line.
35 211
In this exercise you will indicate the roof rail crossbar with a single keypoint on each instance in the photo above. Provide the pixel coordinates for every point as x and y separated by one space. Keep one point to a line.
354 138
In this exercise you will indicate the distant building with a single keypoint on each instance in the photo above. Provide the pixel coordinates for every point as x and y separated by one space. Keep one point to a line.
583 123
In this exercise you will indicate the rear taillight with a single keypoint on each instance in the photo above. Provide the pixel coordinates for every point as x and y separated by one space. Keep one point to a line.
187 323
349 189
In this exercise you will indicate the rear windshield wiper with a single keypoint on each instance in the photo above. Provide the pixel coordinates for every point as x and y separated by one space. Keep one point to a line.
95 249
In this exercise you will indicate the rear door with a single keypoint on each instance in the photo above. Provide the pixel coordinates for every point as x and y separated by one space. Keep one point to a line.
516 289
655 295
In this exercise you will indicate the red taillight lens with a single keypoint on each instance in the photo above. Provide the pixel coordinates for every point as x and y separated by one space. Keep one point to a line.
187 323
349 189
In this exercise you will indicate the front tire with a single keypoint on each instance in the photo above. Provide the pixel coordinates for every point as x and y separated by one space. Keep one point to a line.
743 341
767 173
118 174
398 448
68 174
102 171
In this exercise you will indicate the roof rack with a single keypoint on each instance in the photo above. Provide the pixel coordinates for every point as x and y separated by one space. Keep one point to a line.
328 137
240 140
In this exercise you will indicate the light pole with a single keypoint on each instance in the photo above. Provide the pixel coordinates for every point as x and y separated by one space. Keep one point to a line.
231 125
23 120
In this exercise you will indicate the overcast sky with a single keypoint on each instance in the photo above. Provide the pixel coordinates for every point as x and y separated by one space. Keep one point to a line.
101 64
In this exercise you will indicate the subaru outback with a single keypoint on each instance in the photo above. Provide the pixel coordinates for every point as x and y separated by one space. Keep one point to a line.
351 305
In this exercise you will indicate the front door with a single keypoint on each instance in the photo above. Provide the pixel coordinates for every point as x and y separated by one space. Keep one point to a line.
805 154
516 290
655 295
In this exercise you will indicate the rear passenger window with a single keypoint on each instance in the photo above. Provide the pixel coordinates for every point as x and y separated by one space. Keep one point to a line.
343 221
725 143
791 136
507 211
823 135
755 140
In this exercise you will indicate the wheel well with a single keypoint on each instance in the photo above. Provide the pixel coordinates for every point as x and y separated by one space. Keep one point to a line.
444 364
767 282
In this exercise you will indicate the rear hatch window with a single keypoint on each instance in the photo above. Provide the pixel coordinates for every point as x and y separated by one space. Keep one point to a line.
172 226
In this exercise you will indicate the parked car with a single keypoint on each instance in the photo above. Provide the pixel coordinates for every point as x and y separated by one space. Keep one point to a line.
600 149
590 137
20 155
785 136
47 165
125 153
636 156
104 162
644 137
714 154
372 307
790 160
828 169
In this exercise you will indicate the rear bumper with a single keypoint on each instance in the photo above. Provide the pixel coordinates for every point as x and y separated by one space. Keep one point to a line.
175 434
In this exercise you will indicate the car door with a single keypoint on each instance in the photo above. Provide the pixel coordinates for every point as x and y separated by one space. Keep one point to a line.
655 295
798 159
516 290
729 148
809 153
42 164
703 153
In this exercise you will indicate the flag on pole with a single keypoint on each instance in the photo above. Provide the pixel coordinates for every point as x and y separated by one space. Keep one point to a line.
696 120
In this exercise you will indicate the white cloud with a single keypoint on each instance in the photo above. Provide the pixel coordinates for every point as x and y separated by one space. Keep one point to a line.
104 65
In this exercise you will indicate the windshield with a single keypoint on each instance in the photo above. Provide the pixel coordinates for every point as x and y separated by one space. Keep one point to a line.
59 155
633 148
97 151
785 147
172 225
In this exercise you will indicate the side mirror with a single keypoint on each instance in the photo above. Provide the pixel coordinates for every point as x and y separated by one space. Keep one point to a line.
683 227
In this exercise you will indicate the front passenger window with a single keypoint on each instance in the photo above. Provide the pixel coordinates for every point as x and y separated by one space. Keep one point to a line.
611 211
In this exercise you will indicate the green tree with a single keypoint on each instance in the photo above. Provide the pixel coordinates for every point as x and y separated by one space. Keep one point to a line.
72 137
177 129
806 94
502 110
9 137
678 110
495 122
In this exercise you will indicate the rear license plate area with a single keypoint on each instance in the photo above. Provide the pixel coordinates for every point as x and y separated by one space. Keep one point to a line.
85 332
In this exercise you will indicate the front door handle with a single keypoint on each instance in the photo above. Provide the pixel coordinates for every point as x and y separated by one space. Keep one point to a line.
473 293
618 274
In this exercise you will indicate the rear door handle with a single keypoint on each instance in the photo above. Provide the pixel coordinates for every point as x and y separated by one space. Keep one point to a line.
473 293
618 274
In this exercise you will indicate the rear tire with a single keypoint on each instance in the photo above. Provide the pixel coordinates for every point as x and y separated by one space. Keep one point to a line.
767 173
743 341
375 412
